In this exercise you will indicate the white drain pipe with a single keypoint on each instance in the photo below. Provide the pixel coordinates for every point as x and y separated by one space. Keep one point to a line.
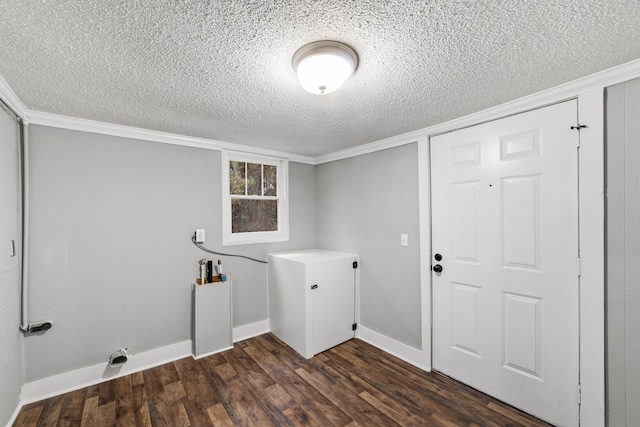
25 326
24 182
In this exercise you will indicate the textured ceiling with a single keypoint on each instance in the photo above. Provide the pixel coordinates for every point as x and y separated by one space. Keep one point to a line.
222 69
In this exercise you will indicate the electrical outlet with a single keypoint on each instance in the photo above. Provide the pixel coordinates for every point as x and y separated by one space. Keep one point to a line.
404 240
200 235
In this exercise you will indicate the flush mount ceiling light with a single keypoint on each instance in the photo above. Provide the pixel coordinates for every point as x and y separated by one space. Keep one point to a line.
323 66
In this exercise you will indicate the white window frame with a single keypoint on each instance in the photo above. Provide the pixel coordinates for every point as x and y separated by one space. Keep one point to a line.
280 235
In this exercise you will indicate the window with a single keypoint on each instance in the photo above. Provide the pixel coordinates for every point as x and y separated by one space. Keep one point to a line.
254 193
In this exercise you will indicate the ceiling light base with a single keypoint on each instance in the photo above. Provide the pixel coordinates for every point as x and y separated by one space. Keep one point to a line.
323 66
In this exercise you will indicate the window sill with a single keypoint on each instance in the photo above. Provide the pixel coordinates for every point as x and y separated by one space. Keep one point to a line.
252 239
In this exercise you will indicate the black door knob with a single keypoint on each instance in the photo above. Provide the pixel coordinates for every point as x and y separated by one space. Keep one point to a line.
437 268
438 257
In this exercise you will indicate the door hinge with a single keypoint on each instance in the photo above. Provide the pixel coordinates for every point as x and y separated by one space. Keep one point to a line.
578 127
355 264
579 265
13 248
354 326
579 394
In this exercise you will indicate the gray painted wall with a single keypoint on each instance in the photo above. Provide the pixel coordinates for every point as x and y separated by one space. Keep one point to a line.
363 205
11 350
623 254
111 257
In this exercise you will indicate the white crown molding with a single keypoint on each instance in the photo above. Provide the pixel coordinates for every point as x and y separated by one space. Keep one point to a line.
9 97
85 125
602 79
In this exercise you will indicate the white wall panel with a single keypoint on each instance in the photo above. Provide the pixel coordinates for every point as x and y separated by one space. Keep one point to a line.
623 253
11 353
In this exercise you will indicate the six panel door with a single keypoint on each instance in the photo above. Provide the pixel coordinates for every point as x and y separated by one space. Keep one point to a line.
505 222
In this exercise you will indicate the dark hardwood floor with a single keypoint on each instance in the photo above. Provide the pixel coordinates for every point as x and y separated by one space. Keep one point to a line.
262 382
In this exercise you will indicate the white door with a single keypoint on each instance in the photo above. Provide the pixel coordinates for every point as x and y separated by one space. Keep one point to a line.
505 225
332 303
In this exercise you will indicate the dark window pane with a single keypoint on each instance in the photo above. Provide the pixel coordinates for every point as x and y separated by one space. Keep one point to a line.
254 179
253 215
236 177
270 180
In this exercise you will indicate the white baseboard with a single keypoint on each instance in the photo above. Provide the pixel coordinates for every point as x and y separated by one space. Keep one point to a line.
84 377
211 353
15 414
400 350
251 330
90 375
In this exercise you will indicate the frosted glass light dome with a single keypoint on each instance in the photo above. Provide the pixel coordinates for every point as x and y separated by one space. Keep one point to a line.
323 66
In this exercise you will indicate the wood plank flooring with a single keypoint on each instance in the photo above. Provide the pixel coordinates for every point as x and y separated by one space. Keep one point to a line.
263 382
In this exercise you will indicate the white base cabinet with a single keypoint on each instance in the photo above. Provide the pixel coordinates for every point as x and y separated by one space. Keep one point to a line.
312 299
212 318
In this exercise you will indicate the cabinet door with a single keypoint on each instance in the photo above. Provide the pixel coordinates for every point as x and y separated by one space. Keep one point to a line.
332 303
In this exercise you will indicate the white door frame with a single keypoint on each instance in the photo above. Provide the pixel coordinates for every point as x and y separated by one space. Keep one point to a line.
591 217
